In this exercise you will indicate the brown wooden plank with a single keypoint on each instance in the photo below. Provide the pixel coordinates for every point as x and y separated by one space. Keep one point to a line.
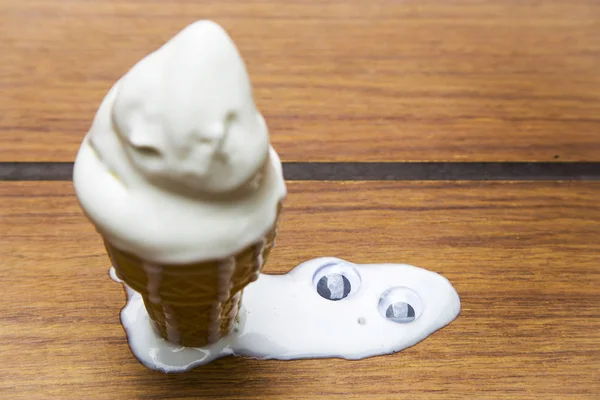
523 256
338 80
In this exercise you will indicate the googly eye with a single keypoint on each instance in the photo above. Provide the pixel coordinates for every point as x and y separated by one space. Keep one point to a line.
400 304
336 281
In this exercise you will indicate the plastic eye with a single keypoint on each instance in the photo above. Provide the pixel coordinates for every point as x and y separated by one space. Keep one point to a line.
336 281
400 304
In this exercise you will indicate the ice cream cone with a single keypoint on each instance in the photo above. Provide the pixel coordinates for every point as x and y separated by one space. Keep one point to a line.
193 304
178 176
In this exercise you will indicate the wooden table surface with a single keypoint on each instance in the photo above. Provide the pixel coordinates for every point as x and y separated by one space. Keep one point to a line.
351 82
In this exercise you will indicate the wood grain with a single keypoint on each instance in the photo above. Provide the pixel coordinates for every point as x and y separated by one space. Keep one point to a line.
523 256
338 80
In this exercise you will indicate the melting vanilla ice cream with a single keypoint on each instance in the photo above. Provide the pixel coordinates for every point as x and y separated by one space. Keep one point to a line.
177 167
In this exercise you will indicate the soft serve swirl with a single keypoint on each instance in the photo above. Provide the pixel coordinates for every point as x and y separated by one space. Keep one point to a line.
177 165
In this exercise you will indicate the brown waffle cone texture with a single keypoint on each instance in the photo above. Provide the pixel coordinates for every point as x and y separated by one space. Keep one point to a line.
193 304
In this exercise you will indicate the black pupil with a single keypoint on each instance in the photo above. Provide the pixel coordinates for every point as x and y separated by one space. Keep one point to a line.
400 311
334 287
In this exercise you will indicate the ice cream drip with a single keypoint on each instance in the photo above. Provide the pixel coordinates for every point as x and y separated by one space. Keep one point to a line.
387 308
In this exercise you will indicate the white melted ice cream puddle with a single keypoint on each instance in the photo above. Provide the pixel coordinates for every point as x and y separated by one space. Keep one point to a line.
326 307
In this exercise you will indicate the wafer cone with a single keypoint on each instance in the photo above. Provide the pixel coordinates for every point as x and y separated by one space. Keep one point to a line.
193 304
